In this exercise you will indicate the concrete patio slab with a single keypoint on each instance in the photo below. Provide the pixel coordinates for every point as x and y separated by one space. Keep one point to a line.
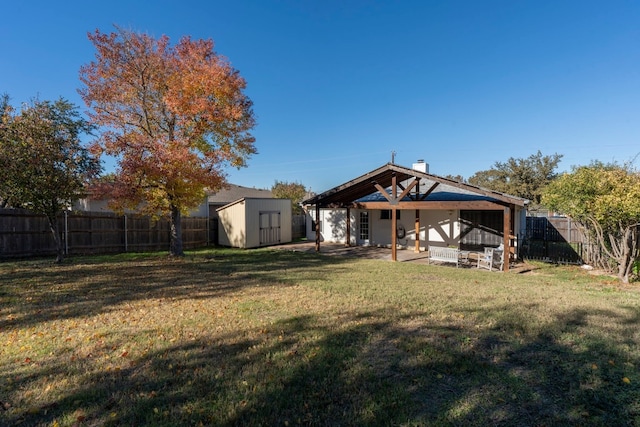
381 253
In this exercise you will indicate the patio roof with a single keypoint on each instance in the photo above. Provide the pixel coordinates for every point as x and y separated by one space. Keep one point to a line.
366 188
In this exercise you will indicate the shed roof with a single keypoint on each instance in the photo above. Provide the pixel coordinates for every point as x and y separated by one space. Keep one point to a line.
363 188
243 199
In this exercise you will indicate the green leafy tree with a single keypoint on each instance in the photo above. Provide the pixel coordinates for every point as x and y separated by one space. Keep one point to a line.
290 190
524 178
43 165
458 178
605 199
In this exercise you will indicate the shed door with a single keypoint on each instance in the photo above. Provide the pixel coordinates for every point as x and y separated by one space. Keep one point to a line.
269 228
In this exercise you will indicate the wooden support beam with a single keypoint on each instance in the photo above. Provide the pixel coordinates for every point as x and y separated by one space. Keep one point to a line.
394 219
416 248
429 191
317 228
408 189
417 227
347 243
394 234
416 195
383 191
394 187
506 241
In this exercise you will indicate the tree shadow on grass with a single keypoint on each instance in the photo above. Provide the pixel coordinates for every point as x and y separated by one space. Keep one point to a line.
36 295
371 369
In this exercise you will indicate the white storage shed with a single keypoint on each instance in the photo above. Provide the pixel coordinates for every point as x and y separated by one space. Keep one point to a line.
254 222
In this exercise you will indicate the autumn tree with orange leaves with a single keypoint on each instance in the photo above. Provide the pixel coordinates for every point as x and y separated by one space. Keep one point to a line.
173 116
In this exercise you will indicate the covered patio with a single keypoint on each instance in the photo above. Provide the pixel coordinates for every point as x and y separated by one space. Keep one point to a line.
381 253
395 189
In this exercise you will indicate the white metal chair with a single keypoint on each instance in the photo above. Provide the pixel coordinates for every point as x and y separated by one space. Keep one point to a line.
491 258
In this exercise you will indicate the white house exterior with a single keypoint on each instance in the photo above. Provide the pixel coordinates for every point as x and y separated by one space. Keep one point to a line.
254 222
373 228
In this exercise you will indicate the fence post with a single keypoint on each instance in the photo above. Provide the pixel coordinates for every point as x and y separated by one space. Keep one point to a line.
126 242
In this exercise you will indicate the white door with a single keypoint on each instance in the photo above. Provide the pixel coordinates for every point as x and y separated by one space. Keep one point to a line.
269 228
363 228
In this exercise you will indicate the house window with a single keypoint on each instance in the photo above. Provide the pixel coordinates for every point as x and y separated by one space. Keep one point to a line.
386 214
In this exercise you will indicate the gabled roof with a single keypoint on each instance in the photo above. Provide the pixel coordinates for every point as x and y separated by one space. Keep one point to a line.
233 192
364 188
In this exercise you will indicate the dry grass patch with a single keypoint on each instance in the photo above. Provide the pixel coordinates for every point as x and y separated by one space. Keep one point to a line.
226 337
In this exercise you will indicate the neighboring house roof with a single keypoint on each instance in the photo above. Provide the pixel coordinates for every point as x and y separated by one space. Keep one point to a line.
366 188
233 192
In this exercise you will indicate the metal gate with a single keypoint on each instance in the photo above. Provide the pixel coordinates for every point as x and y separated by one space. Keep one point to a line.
269 228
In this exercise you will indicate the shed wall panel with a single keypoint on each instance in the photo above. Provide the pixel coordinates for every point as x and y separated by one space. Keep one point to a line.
232 226
253 209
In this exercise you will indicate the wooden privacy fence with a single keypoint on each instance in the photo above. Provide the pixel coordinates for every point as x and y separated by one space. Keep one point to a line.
298 226
557 239
23 233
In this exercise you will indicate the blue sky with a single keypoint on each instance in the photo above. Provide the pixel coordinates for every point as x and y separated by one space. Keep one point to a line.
338 85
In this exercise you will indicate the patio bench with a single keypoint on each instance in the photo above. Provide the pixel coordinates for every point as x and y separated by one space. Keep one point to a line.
451 255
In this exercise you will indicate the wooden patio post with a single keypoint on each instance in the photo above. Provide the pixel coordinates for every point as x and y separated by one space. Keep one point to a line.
417 248
347 243
394 219
394 234
317 228
506 241
417 221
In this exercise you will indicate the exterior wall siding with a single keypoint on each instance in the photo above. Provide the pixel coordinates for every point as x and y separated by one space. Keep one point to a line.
254 207
332 225
442 227
232 226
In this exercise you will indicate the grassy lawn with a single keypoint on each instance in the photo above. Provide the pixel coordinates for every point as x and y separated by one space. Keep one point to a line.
225 337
